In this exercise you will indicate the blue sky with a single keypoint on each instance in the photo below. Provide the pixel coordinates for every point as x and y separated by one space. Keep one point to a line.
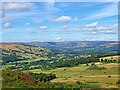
59 21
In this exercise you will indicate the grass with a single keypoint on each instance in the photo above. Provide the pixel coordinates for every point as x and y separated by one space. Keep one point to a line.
93 77
6 66
83 74
62 72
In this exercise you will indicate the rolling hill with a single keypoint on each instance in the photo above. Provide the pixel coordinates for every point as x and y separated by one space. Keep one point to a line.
47 55
79 46
17 52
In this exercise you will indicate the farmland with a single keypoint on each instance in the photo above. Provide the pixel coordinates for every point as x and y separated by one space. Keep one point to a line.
105 78
61 65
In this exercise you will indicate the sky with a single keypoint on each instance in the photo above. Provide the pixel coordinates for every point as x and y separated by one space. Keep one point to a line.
59 21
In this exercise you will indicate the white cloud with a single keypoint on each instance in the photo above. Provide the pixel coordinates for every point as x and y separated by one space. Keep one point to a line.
64 27
108 32
101 28
92 24
93 32
7 25
59 39
109 10
116 25
27 24
95 29
63 19
42 27
76 18
21 6
50 6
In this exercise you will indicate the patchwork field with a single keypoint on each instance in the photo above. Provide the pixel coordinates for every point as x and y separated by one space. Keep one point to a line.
106 78
54 68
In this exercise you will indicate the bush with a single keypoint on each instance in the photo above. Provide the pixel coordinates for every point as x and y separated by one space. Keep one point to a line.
78 82
92 64
118 82
109 76
87 64
43 77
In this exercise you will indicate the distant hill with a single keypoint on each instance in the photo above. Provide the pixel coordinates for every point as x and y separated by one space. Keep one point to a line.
47 55
81 46
8 46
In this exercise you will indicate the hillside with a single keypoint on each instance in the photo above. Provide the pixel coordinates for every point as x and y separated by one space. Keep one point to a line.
8 46
79 46
50 55
17 79
23 52
70 64
17 55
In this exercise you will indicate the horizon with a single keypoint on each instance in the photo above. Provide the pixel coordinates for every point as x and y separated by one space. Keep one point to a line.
57 41
59 21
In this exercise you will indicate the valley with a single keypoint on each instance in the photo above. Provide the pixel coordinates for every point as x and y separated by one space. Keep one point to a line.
68 64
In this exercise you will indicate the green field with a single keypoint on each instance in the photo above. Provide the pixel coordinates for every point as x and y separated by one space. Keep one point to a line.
106 78
62 72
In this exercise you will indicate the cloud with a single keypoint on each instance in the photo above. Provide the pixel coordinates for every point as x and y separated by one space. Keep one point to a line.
63 19
116 26
76 18
59 39
64 27
108 32
7 25
50 6
93 33
27 23
15 6
92 24
95 28
106 11
42 27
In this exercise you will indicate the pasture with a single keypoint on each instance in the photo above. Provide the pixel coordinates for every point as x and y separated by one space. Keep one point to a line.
106 78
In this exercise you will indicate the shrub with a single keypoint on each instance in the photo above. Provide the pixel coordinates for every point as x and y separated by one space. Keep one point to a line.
92 64
78 82
109 76
118 82
87 64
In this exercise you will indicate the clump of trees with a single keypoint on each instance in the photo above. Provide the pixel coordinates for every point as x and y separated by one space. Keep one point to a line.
78 82
95 67
43 77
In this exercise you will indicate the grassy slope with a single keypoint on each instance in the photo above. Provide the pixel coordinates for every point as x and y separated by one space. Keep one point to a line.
31 54
17 79
83 74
